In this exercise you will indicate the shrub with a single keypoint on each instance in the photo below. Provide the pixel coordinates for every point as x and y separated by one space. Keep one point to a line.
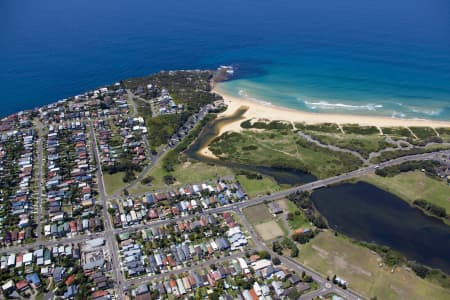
147 180
432 208
363 130
169 179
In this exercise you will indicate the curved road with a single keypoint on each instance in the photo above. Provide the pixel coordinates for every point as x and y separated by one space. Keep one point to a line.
109 232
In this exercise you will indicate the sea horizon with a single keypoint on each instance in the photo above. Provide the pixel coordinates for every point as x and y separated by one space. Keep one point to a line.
367 59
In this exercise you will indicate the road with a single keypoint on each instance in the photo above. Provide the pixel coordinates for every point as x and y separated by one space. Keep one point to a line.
131 98
40 158
154 159
199 265
325 286
306 187
109 232
110 238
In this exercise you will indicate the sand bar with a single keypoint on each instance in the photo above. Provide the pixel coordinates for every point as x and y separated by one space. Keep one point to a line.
259 110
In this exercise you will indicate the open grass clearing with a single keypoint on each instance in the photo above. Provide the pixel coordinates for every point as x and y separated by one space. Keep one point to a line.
414 185
258 214
113 182
255 187
269 230
299 219
189 172
360 267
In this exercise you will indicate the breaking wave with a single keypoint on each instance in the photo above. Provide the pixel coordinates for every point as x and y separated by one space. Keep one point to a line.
397 114
244 94
328 105
428 112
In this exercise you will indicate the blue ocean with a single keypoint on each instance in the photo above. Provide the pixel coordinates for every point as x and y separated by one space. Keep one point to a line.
385 57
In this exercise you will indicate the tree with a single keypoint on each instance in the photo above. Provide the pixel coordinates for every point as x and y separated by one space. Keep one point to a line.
147 180
420 270
276 261
290 216
169 179
264 254
294 252
276 247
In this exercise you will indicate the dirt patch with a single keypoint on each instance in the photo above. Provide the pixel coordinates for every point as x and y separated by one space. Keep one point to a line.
269 230
282 203
322 252
342 263
186 165
258 214
397 290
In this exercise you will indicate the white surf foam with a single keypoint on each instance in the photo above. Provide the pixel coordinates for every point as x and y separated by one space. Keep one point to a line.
330 106
244 94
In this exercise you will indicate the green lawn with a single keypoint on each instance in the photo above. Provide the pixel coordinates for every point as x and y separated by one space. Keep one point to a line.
359 266
299 220
255 187
113 182
412 186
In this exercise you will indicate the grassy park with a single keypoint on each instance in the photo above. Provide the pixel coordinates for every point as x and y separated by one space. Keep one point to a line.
257 187
258 214
298 220
360 267
267 226
113 182
415 185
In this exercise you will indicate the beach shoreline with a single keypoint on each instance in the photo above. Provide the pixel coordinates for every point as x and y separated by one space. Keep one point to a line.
259 110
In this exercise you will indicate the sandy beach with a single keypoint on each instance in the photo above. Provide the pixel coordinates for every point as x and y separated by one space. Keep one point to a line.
259 110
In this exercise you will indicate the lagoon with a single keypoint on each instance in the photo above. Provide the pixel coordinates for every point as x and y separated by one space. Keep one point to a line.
285 176
367 213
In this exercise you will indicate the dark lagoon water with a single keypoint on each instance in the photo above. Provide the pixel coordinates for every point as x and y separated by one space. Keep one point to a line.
385 57
209 132
365 212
